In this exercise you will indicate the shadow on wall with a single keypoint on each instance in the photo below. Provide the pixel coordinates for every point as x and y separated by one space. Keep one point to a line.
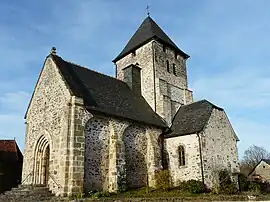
135 141
96 160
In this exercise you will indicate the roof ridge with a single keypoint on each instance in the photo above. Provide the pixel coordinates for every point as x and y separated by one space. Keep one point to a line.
87 68
203 100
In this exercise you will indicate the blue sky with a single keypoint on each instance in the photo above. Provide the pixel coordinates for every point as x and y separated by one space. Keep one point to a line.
228 42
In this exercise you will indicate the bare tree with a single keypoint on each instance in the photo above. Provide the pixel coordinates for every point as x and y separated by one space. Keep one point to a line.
253 155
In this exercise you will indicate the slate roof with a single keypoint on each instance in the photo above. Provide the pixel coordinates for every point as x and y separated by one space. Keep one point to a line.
266 161
9 151
105 94
146 32
191 118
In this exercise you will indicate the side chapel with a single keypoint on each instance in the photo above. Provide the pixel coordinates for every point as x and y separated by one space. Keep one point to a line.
87 131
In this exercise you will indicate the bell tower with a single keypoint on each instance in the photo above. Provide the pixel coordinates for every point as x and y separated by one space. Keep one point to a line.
162 64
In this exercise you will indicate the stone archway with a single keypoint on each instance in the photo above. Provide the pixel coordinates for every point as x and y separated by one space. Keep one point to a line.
42 161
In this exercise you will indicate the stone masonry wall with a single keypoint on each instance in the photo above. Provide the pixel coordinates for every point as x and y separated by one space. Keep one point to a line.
164 91
48 116
219 147
135 141
119 154
144 58
263 169
96 166
192 168
171 89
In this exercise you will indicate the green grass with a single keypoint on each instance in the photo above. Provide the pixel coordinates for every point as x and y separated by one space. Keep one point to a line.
172 193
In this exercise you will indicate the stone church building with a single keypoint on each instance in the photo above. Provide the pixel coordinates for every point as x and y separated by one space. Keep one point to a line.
87 131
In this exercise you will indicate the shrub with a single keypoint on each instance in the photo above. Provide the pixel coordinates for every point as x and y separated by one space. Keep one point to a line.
254 187
265 187
192 186
243 182
98 194
195 187
226 186
228 189
163 180
224 178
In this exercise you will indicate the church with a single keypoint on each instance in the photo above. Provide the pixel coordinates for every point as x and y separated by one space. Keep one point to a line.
86 131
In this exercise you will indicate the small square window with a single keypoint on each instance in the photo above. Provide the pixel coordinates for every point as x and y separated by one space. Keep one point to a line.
175 55
164 48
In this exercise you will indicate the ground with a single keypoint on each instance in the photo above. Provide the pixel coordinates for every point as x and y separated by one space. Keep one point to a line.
172 195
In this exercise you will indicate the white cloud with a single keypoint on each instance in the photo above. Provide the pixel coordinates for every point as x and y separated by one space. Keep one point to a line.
12 109
15 101
236 88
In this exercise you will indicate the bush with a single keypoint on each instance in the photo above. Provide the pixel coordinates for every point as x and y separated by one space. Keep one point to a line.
254 187
195 187
228 189
98 194
243 182
163 180
192 186
226 186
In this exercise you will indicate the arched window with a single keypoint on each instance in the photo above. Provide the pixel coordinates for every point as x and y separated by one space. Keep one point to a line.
168 66
181 153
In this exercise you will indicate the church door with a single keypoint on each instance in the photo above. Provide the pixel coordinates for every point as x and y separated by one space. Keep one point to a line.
42 162
46 163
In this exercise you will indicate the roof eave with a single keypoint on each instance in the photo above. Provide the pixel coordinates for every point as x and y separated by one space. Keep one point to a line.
179 135
96 111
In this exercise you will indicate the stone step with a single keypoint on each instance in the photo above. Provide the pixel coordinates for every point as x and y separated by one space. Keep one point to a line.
32 185
29 193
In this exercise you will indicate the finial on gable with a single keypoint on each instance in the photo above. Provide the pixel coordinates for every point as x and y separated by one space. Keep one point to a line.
53 51
147 8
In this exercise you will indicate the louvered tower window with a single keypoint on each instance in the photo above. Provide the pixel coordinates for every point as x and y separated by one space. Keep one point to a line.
168 66
174 69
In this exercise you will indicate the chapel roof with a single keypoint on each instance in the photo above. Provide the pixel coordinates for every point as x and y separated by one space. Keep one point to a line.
191 118
266 161
9 150
106 95
147 31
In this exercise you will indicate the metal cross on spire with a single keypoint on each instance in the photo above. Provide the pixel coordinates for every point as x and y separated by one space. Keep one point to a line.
147 8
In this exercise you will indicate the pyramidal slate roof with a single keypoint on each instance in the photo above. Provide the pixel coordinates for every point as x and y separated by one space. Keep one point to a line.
146 32
106 95
191 118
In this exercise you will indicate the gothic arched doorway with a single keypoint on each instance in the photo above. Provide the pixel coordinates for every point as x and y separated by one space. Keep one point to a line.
45 166
42 162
